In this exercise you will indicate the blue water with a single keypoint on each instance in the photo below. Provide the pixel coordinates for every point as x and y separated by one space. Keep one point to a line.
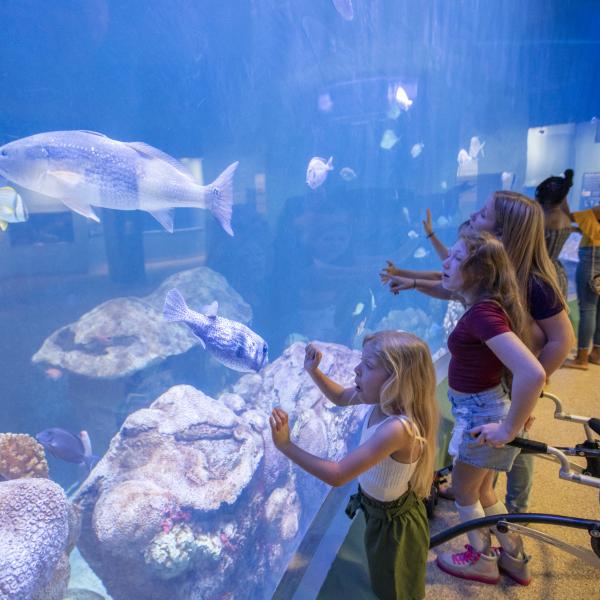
271 84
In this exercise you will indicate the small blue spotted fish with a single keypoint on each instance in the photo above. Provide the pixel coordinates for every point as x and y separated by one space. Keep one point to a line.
230 342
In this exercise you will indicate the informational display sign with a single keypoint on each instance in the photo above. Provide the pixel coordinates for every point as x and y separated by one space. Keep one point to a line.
590 190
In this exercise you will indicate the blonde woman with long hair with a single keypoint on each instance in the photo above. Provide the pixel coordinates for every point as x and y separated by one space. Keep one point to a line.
487 343
395 459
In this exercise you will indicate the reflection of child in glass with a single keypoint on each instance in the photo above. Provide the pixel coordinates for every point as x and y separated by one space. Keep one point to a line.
394 462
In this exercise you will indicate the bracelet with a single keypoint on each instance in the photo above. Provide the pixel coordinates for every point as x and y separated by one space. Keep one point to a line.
430 235
414 287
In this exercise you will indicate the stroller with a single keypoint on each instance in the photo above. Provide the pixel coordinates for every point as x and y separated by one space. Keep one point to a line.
588 475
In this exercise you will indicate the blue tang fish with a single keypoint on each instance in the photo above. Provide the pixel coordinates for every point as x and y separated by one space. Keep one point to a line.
230 342
84 169
67 446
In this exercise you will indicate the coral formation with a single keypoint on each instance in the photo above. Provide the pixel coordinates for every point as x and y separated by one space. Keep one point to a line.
171 552
34 531
21 456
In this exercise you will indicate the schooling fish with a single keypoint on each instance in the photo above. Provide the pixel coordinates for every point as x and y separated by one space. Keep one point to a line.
12 209
316 173
230 342
83 169
401 97
417 149
65 445
388 140
347 174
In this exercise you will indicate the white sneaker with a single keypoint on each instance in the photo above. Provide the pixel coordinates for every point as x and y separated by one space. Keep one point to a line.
471 565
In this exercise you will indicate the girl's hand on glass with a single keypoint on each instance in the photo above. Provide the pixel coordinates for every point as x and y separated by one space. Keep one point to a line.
312 358
389 271
427 224
280 429
399 284
491 434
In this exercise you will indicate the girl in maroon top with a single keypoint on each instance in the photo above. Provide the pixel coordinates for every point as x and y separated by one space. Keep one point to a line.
486 343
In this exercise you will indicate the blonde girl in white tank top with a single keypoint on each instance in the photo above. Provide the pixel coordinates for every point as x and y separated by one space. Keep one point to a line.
394 461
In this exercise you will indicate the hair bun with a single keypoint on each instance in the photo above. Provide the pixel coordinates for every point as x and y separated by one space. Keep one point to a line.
569 178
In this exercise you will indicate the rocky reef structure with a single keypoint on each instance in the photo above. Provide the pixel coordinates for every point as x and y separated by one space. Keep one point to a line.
35 527
21 456
38 525
125 335
192 501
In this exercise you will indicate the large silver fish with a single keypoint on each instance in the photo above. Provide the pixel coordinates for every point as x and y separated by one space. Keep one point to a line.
230 342
83 169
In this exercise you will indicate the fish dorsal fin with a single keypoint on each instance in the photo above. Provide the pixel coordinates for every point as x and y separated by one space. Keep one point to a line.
148 151
164 217
81 208
210 310
92 132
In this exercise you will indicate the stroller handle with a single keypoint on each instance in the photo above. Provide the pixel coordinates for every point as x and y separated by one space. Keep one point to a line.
529 446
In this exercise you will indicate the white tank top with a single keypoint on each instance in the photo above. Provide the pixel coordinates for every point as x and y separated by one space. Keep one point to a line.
388 479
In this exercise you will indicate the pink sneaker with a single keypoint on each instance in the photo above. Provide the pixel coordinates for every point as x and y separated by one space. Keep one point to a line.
517 568
471 565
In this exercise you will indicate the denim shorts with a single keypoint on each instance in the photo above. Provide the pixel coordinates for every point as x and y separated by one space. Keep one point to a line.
472 410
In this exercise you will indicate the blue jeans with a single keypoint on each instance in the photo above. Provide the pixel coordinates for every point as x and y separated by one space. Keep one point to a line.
471 410
587 299
519 481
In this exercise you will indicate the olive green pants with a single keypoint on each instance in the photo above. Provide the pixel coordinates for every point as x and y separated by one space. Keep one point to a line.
396 542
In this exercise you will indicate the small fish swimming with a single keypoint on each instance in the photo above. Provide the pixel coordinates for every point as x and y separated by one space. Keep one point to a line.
316 173
358 309
420 252
393 112
68 447
231 343
347 174
413 235
402 99
325 103
12 209
84 169
406 213
389 139
344 7
373 303
417 149
53 373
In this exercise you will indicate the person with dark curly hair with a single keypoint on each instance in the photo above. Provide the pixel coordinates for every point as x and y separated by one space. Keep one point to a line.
552 196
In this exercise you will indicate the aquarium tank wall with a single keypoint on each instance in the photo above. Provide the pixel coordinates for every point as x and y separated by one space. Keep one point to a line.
193 190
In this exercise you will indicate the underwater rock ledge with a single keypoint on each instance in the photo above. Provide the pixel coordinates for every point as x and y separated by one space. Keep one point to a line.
192 501
124 335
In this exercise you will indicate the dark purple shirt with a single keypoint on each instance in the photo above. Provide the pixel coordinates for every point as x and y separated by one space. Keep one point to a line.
543 300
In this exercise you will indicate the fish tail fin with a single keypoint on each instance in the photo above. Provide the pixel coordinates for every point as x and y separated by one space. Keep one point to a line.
175 308
91 461
221 197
